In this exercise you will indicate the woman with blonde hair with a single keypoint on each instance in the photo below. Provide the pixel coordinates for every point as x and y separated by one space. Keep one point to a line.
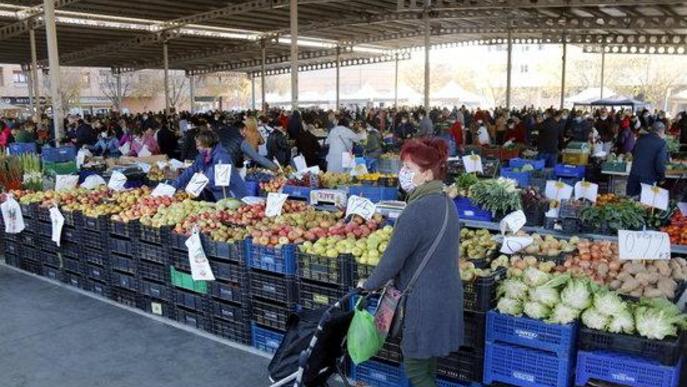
252 135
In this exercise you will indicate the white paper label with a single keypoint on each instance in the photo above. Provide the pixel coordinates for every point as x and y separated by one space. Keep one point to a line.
197 184
200 266
557 190
299 162
513 244
552 212
176 164
360 206
57 220
347 160
328 196
145 167
144 152
250 200
163 189
683 208
12 216
655 197
513 222
649 245
156 308
65 182
93 181
586 190
222 175
473 163
117 181
275 202
125 149
81 157
161 164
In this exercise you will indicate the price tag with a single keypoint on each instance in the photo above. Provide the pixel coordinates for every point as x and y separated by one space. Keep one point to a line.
156 308
200 266
513 244
557 190
144 152
655 197
275 201
161 164
65 182
250 200
338 198
12 216
145 167
347 160
125 149
513 222
81 157
93 181
57 220
360 206
586 190
163 189
299 162
649 245
552 212
197 184
473 163
117 181
683 208
222 175
176 164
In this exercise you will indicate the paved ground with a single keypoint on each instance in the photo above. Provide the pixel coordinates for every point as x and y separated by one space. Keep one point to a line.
51 336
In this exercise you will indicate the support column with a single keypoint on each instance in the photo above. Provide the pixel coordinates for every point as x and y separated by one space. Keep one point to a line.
192 91
34 72
564 59
428 31
509 66
338 77
262 77
118 79
603 66
54 65
293 10
165 60
396 83
252 89
26 68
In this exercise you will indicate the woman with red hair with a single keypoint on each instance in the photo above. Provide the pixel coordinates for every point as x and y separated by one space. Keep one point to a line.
433 319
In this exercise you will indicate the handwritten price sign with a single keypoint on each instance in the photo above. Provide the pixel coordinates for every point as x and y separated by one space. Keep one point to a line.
360 206
655 197
473 163
197 184
222 175
513 244
513 222
650 245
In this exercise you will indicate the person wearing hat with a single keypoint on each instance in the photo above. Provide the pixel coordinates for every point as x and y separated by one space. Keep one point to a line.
649 159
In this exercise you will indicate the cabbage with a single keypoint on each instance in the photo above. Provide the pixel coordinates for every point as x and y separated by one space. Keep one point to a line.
535 277
577 294
609 304
595 320
563 314
527 168
536 310
622 323
513 288
546 295
510 306
655 323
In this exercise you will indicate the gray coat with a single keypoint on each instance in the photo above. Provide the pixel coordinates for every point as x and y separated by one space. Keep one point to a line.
433 325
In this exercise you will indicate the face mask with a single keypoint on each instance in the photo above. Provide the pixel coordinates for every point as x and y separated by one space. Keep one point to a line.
405 178
103 135
511 126
564 117
404 121
603 117
578 119
145 117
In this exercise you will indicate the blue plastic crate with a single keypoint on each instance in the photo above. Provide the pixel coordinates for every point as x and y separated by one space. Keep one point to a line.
440 382
531 333
519 163
370 164
526 367
374 193
58 155
18 148
253 188
378 374
571 181
265 339
624 369
278 260
564 170
467 210
297 192
522 178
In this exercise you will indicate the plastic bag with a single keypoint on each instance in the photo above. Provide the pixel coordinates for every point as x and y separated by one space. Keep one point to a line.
363 339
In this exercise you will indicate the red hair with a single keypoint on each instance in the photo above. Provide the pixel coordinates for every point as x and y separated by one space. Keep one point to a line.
427 153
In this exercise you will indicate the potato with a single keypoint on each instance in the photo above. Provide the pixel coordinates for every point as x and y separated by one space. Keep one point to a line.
615 284
629 285
652 293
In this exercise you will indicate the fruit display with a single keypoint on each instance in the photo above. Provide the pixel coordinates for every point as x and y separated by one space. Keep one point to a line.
274 185
476 244
335 179
148 206
175 213
259 175
369 250
608 198
307 180
677 229
156 174
549 246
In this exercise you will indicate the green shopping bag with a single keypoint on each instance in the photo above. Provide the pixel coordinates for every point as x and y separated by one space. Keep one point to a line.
363 340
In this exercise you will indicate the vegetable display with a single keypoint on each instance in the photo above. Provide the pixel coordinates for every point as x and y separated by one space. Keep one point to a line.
677 229
476 244
623 215
500 196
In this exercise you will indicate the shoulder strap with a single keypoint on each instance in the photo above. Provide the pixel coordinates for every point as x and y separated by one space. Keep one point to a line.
429 253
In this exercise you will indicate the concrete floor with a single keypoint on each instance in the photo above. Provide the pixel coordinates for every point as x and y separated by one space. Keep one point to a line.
51 336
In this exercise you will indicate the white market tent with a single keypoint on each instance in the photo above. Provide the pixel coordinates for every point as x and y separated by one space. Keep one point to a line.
453 93
590 94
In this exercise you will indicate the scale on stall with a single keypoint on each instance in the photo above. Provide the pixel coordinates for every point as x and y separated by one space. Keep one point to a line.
391 209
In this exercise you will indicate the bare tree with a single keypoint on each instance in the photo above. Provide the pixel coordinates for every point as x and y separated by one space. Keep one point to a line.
70 89
115 94
178 89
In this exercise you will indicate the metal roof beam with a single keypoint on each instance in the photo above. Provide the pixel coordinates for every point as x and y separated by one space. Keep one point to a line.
652 49
33 19
413 5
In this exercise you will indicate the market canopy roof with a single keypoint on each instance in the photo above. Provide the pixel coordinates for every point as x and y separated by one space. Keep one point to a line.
207 36
616 101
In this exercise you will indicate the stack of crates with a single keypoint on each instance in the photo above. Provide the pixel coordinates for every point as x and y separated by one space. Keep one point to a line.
29 254
94 254
189 297
152 270
322 281
527 352
569 174
273 290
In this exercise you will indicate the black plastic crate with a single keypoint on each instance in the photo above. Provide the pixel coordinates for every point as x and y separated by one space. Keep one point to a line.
159 236
152 252
228 271
193 318
30 253
360 271
215 250
190 300
42 214
96 272
227 291
124 296
270 315
153 271
226 310
123 280
28 211
72 264
73 218
31 266
122 246
94 239
156 306
315 296
273 287
155 290
178 241
179 259
474 329
336 271
97 257
52 272
571 225
70 234
98 224
232 330
45 229
70 248
391 351
13 260
73 279
667 351
123 264
129 230
479 295
466 365
98 287
12 248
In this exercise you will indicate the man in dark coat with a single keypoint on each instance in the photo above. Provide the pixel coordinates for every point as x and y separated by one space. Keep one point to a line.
549 138
230 138
649 159
85 135
188 147
278 147
167 141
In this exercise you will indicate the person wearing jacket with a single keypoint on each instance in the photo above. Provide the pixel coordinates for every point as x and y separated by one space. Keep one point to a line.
340 140
144 140
649 159
84 135
404 129
5 135
549 139
250 152
278 147
107 145
433 323
211 153
167 141
309 147
373 145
